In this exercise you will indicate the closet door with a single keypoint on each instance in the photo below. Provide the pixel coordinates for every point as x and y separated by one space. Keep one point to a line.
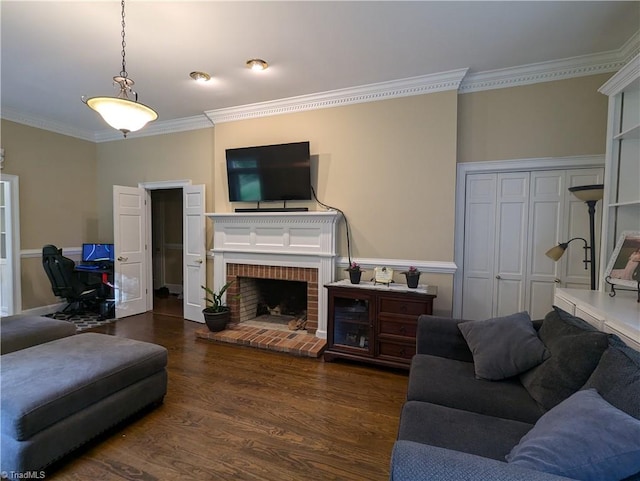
479 246
546 228
511 230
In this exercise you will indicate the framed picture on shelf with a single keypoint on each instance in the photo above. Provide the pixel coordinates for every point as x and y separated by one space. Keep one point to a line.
624 265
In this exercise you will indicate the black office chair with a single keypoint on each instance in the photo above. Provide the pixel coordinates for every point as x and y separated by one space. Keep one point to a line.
66 282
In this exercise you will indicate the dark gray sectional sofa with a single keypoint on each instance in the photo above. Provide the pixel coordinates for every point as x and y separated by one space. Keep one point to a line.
571 411
58 389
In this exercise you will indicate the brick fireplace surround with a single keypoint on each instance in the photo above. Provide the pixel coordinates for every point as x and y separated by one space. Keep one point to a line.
297 246
303 274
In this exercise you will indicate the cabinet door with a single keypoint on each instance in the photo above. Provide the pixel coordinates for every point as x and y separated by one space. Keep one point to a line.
351 322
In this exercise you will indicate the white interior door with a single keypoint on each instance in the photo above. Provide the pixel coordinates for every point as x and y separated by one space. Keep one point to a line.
546 226
195 267
479 246
511 229
129 237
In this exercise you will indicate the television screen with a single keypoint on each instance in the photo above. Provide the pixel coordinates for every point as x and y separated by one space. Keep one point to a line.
269 173
97 252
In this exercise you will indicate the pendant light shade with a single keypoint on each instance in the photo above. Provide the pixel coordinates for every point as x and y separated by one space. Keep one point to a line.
121 112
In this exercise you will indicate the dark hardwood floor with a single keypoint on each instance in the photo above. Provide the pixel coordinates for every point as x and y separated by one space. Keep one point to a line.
238 413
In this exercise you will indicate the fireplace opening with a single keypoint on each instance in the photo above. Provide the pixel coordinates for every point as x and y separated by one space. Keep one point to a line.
273 303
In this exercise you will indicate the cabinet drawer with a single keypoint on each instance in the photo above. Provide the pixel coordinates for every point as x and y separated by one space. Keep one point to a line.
397 327
397 350
399 306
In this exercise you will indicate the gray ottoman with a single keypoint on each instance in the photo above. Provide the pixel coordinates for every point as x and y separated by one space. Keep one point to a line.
57 396
19 332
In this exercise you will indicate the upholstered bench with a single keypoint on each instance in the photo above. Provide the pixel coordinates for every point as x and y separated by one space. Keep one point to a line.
58 395
19 332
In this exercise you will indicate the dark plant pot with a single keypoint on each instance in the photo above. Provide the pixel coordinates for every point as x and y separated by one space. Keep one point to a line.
216 321
412 280
354 276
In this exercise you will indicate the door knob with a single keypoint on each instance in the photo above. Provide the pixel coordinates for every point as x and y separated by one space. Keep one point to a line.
498 277
199 261
123 259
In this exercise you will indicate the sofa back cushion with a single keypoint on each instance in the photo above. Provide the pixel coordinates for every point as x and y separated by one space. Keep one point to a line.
575 347
617 377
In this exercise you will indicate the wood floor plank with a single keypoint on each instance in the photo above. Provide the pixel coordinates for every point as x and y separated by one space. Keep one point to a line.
235 412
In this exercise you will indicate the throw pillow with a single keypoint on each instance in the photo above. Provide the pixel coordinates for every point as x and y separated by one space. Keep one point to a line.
504 346
584 437
575 353
617 377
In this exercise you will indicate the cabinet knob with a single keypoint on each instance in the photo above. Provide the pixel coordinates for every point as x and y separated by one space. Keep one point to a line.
557 281
402 329
123 259
498 277
402 351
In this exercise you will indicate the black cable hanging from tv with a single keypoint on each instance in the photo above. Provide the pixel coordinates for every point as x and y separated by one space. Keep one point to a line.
346 222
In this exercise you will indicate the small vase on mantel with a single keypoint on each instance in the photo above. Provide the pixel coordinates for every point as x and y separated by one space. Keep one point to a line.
413 277
355 273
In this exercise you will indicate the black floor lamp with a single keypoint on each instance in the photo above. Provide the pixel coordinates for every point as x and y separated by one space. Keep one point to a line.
590 194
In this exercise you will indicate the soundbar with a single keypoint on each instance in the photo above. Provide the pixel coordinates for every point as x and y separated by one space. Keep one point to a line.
274 209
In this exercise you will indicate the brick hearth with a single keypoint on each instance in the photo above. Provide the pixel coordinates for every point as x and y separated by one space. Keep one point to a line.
295 343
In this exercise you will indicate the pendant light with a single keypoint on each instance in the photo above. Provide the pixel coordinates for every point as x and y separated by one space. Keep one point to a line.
121 112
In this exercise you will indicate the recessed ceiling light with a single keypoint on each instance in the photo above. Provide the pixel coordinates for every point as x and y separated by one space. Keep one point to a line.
257 64
200 76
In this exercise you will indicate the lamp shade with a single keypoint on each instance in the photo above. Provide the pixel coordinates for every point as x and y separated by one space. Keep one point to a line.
556 252
588 192
122 114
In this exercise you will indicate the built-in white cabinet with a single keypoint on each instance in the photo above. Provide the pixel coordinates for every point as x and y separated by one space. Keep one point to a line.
618 315
622 164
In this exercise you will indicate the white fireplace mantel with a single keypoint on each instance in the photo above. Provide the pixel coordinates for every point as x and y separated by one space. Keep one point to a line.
290 239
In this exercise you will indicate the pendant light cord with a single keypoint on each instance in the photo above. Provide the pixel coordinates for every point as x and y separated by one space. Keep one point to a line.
123 73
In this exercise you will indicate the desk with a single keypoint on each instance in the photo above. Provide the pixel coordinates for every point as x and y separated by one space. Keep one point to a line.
104 285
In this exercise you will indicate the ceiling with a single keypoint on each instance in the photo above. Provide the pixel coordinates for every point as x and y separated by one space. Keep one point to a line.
54 52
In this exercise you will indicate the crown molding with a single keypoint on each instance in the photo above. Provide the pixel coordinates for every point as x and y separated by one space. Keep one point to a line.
336 98
46 124
625 76
544 72
157 128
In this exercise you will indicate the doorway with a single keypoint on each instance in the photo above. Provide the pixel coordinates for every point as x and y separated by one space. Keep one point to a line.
167 251
10 291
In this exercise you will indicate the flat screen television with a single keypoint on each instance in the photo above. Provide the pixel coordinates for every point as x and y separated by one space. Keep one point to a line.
97 252
269 173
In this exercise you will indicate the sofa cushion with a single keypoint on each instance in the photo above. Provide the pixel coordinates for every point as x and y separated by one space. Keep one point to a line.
43 384
575 347
503 347
617 377
459 430
453 383
19 332
584 437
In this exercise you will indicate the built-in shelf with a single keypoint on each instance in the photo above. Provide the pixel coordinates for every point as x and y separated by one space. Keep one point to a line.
621 204
632 133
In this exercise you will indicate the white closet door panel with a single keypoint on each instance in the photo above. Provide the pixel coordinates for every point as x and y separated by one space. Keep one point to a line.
546 219
479 248
477 304
510 297
479 251
541 295
511 237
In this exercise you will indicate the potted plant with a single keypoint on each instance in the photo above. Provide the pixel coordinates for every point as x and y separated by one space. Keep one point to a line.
355 272
216 314
413 276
